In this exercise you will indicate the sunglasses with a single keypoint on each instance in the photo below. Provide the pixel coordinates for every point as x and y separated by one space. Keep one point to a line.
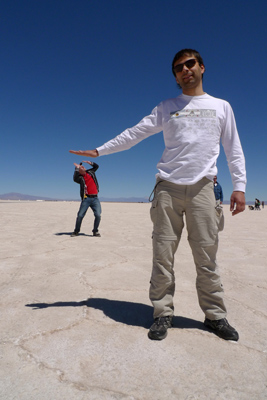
189 64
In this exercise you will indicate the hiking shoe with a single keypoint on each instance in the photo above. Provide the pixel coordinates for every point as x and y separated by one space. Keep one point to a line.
74 234
158 330
222 328
97 234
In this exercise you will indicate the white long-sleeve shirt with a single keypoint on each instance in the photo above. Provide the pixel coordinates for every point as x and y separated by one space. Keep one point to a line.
193 127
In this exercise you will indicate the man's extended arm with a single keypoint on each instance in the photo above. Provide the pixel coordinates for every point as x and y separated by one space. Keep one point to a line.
86 153
94 166
76 165
148 126
76 176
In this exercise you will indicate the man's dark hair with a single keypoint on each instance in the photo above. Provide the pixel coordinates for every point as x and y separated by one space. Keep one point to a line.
187 52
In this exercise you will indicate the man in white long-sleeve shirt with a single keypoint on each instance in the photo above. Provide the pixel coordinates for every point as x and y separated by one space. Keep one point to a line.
193 125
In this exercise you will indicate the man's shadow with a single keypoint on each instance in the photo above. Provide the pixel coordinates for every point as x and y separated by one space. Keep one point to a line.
69 234
125 312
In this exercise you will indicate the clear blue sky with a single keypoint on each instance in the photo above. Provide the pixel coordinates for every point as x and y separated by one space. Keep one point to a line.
75 73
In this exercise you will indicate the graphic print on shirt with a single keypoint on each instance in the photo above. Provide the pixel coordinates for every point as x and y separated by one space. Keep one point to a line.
193 113
190 122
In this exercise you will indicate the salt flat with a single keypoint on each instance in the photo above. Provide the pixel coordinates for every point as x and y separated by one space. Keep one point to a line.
75 311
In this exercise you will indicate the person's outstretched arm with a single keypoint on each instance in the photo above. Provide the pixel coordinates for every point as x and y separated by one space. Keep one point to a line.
76 176
148 126
86 153
94 165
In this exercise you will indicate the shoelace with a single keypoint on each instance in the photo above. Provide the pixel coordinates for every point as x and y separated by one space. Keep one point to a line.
165 321
223 323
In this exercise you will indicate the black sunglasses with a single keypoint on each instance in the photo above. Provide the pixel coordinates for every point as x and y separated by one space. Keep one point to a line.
189 64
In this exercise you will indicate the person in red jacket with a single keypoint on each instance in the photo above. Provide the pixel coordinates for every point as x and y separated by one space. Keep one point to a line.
89 189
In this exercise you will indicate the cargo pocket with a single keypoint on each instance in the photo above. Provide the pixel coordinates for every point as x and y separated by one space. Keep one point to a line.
219 217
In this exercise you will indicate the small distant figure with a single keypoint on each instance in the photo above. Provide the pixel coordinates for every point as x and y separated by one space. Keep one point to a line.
251 208
218 192
257 204
262 204
89 189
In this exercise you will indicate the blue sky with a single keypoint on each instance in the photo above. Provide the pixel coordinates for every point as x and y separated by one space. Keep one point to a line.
74 74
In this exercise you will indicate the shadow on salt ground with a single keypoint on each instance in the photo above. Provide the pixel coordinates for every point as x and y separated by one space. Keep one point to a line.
134 314
69 233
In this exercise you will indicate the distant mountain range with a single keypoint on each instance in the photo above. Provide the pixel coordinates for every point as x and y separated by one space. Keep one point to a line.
26 197
20 196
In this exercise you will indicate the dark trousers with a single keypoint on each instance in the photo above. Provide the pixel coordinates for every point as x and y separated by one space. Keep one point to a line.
94 204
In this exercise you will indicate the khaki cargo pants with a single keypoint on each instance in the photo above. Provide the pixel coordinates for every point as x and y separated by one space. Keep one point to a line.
203 221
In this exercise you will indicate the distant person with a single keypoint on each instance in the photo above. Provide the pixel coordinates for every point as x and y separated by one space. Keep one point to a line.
89 194
257 204
262 204
218 192
193 125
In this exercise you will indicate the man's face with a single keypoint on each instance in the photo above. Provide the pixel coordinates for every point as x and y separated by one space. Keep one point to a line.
215 179
189 78
82 170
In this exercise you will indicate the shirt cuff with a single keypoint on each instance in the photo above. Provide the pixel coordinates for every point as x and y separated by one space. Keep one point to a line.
102 151
240 187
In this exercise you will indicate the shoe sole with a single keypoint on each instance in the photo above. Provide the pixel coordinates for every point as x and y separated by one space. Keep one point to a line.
156 337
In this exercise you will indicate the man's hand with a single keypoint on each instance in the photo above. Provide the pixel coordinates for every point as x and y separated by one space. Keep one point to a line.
86 153
237 202
88 162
